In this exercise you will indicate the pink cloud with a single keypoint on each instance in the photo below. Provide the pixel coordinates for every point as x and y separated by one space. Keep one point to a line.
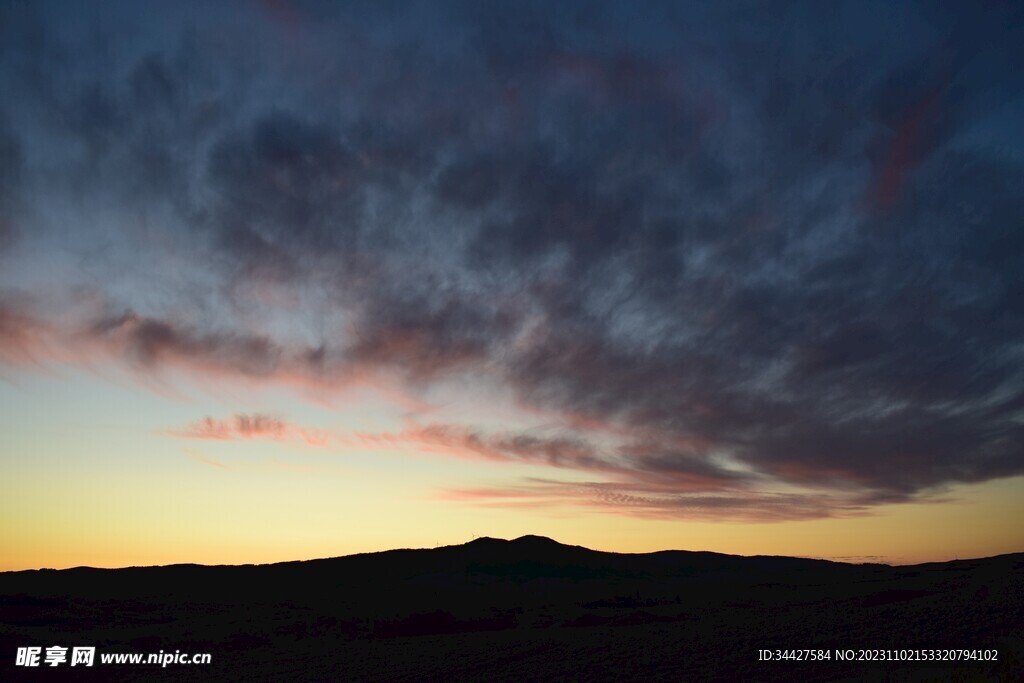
637 499
205 459
24 338
460 441
243 427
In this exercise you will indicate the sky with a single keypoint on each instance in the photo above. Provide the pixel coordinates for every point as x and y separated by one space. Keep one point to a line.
283 280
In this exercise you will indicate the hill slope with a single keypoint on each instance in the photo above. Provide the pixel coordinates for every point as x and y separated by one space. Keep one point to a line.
529 608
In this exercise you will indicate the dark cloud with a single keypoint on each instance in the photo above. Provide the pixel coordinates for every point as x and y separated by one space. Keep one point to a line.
775 240
11 171
285 188
151 343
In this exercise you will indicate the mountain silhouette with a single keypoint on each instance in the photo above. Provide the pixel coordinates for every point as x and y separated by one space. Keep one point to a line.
529 608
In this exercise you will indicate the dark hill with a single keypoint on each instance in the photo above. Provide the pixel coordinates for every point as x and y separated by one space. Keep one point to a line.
530 609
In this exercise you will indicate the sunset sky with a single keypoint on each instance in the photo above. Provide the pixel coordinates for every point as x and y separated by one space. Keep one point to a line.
283 280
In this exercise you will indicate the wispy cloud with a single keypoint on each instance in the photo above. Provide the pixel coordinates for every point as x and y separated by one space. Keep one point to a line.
638 499
26 339
742 260
242 427
204 459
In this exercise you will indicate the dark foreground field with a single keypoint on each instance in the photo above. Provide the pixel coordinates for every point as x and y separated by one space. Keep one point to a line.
529 609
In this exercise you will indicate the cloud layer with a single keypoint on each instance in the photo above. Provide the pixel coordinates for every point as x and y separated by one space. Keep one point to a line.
778 257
